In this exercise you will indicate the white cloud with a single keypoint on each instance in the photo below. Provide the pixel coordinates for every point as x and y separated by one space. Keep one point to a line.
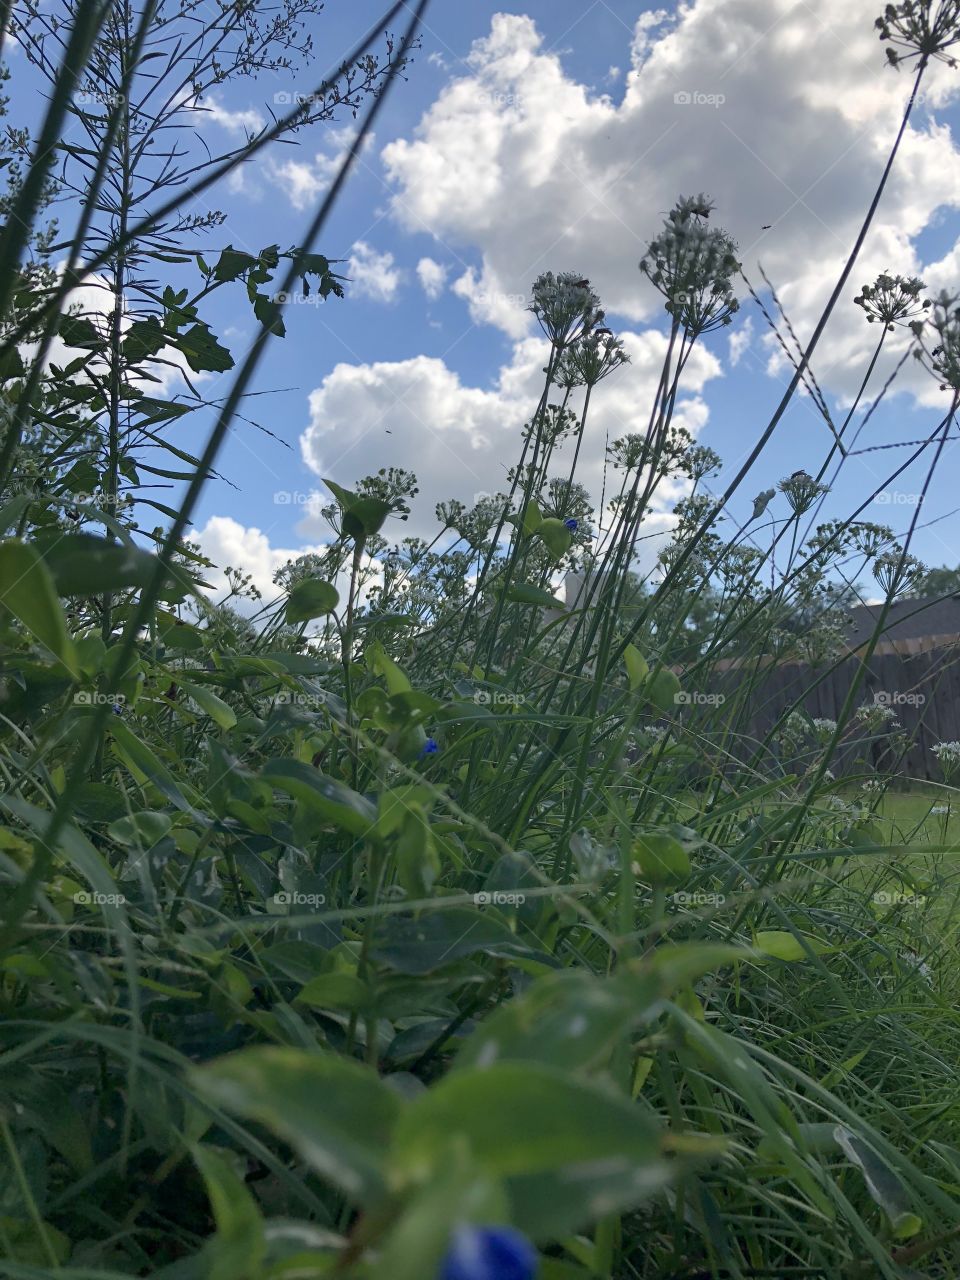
304 180
490 305
432 276
242 122
372 274
740 340
460 439
228 543
533 171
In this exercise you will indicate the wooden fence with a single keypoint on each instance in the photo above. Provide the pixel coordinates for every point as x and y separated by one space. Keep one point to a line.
918 679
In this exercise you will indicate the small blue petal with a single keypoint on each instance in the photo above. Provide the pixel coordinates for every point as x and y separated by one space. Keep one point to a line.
489 1253
571 524
429 748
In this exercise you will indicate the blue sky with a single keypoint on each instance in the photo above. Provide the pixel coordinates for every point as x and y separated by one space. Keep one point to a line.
538 135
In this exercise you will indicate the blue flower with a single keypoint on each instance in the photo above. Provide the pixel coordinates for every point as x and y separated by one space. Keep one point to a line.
489 1253
429 748
571 524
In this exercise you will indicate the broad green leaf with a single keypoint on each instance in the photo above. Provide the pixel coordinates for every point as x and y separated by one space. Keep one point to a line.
440 938
141 830
219 711
780 944
637 667
556 537
203 352
525 593
83 565
661 689
381 664
337 1114
27 590
311 598
332 800
237 1250
335 990
532 517
567 1151
662 858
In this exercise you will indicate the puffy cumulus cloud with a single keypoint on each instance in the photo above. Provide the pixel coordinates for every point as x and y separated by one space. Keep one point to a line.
784 113
460 440
230 544
432 276
489 305
372 274
244 122
303 181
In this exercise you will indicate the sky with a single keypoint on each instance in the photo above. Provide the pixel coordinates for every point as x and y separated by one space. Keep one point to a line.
539 135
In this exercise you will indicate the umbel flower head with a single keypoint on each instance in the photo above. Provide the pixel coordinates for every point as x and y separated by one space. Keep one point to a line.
565 306
943 361
801 491
892 300
593 357
692 265
896 572
920 29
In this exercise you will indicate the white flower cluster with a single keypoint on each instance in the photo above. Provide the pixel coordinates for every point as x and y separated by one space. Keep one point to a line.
565 306
693 265
948 753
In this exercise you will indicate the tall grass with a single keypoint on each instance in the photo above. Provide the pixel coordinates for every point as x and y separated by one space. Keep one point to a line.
425 915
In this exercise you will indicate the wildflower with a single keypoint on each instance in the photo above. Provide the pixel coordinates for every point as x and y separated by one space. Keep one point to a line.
892 299
801 491
897 572
924 28
565 306
948 756
939 809
944 360
692 266
824 729
429 748
489 1253
595 356
571 524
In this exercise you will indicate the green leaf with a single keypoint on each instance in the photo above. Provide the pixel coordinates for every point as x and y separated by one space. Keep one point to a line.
637 667
332 800
556 537
662 858
142 830
27 589
232 263
78 331
311 598
418 863
532 517
780 944
440 938
336 1114
83 565
661 689
567 1152
144 338
525 593
219 712
202 350
238 1248
381 664
335 990
885 1188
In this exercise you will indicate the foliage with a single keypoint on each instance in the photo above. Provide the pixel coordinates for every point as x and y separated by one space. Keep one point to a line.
418 922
